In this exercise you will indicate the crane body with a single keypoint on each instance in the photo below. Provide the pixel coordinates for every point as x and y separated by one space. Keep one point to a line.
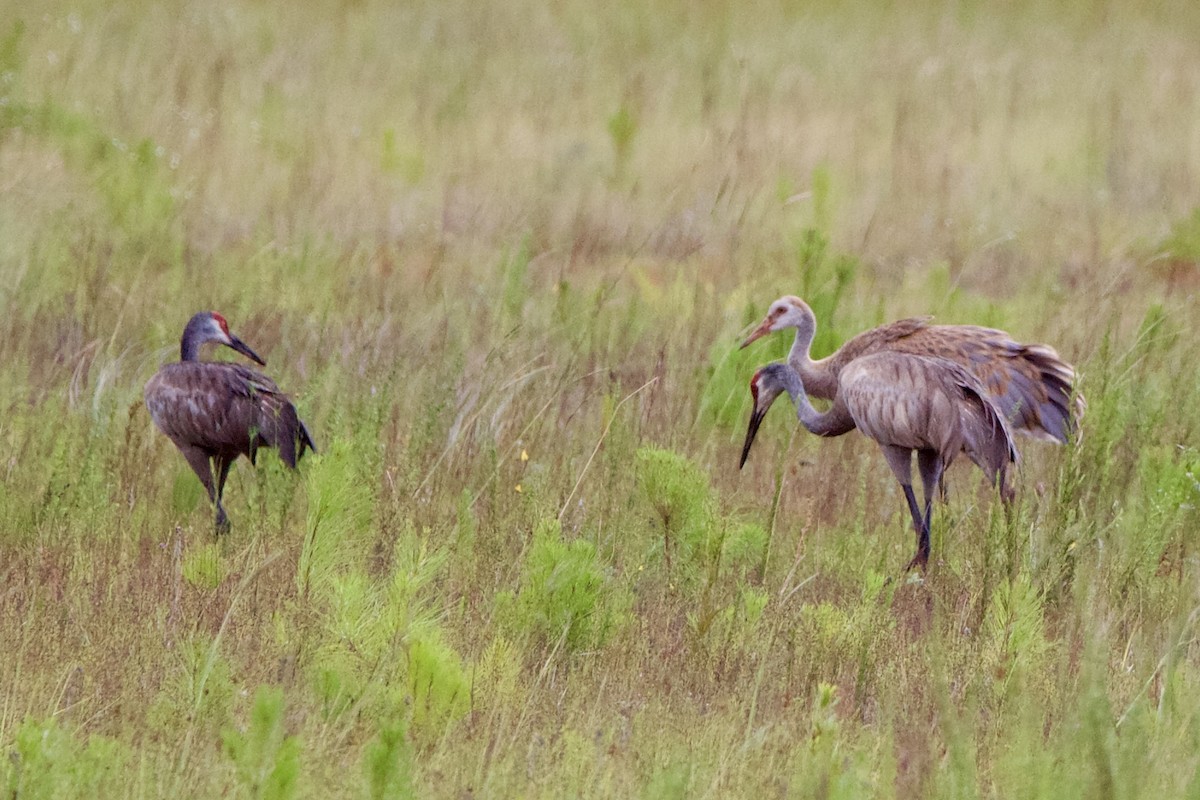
215 411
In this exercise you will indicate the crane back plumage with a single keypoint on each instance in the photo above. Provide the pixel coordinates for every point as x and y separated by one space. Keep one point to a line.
1030 383
227 410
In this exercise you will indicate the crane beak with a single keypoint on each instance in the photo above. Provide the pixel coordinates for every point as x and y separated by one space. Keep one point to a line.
759 332
755 420
243 348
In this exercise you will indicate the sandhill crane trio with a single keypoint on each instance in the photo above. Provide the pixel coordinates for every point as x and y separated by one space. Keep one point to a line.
936 390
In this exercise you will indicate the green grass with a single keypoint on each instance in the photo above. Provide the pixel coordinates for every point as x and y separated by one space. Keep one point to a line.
502 255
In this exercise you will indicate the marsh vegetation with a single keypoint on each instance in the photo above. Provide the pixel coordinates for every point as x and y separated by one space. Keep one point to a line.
501 255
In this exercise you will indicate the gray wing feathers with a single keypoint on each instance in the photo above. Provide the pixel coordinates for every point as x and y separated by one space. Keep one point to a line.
987 434
225 408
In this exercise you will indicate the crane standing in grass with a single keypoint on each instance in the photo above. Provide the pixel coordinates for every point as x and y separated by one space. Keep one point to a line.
215 412
1030 383
906 403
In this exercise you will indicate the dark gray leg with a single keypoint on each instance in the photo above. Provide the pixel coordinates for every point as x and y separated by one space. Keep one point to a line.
922 555
221 466
205 467
900 460
201 465
931 467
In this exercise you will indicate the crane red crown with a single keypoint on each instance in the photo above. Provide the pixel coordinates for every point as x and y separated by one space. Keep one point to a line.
221 321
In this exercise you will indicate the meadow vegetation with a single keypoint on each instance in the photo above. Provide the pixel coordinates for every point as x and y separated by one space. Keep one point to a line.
501 255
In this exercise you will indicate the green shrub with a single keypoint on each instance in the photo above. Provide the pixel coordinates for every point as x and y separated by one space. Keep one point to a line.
202 566
438 689
46 761
340 507
566 593
267 760
679 493
388 764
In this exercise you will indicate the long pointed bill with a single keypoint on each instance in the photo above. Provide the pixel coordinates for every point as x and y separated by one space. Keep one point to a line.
759 332
755 420
244 349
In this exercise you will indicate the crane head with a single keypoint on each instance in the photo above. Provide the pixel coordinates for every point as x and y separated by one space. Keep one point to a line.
786 312
209 326
766 385
231 341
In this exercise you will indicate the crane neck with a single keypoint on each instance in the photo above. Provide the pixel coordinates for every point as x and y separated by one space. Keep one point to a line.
819 380
833 422
193 339
189 350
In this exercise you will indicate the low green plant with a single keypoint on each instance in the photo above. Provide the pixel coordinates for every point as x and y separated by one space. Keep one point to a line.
438 687
339 510
266 758
828 763
388 764
566 594
681 498
1183 243
622 128
382 649
45 762
515 268
1015 648
202 566
198 691
670 782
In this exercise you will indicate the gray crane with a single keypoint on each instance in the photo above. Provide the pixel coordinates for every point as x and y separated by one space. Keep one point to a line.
906 403
1029 382
215 411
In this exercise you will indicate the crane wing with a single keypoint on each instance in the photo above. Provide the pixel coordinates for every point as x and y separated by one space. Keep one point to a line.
987 434
1030 383
926 402
225 408
884 337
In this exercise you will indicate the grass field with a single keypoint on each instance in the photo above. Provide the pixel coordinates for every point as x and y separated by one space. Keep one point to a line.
501 255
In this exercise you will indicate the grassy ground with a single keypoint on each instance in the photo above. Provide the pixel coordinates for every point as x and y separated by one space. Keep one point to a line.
501 253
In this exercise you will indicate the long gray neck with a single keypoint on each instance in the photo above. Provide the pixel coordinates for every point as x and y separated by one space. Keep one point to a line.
193 337
817 380
833 422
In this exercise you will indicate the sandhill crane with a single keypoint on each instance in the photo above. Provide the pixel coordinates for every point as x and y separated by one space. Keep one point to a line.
1029 382
904 402
215 412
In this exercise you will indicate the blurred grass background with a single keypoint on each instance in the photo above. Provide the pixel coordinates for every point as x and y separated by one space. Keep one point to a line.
501 254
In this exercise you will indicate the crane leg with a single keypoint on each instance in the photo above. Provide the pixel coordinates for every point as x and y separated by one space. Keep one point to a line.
200 463
900 460
1007 494
931 467
221 466
212 472
922 556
